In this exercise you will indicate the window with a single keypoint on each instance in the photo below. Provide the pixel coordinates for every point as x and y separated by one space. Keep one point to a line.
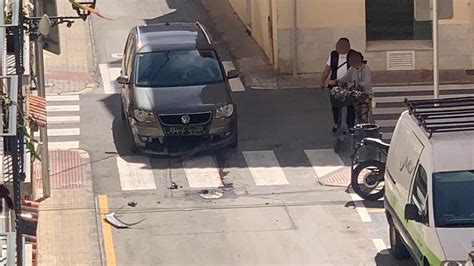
420 190
394 20
130 46
452 196
178 68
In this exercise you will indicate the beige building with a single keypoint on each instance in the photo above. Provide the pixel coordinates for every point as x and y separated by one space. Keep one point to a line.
385 31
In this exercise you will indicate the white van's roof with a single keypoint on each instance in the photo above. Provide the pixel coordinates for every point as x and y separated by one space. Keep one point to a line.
451 151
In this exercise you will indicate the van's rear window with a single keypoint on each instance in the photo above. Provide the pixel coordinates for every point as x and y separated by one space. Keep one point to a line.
177 68
454 199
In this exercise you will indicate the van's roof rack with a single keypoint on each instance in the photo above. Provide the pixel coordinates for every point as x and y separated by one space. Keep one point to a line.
443 115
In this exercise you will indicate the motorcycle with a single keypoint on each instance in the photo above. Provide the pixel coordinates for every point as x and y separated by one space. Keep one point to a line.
341 96
368 162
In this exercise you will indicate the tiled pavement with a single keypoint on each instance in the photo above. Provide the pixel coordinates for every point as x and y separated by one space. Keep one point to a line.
72 70
67 227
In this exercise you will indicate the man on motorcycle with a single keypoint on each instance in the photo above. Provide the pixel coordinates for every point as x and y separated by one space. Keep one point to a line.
337 65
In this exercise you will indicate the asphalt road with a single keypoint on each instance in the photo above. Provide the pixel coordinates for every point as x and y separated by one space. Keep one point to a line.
272 209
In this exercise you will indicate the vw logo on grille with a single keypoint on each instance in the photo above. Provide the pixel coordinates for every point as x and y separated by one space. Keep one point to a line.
185 119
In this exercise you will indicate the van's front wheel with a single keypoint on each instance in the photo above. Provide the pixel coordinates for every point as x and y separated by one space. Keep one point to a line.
398 249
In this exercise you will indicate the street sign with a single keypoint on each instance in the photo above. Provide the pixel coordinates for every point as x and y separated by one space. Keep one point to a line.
52 41
423 11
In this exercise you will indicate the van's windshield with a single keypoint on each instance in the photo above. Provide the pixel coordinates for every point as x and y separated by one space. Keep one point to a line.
453 199
177 68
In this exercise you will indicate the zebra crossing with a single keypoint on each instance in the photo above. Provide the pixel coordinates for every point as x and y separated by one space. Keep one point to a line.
244 169
389 102
63 121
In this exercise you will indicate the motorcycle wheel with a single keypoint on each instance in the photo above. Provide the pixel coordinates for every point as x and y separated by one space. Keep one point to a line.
368 180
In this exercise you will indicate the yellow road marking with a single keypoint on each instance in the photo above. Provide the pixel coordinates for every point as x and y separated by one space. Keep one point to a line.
106 231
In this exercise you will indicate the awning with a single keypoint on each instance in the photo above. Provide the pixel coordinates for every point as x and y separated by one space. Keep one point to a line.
37 110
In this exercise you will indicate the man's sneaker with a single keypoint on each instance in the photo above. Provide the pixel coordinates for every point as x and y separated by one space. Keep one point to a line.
334 129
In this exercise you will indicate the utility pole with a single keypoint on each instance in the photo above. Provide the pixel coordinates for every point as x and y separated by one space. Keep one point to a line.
435 50
40 84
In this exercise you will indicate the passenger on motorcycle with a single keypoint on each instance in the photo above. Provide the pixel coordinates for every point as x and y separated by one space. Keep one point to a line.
359 79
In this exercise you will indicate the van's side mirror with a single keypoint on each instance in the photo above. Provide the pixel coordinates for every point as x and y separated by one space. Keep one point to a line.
232 74
412 214
123 80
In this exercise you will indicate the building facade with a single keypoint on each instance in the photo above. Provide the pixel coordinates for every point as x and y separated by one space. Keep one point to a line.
385 31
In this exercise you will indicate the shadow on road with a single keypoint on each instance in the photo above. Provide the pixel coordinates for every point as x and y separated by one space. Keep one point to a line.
384 258
280 120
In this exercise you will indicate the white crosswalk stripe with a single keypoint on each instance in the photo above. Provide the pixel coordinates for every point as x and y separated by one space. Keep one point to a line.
389 102
135 173
62 98
202 172
63 122
63 145
63 119
61 132
265 168
62 108
324 161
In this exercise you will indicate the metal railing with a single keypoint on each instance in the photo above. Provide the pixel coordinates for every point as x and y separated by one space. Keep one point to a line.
10 102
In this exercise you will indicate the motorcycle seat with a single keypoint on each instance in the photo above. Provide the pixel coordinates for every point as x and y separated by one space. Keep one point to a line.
376 142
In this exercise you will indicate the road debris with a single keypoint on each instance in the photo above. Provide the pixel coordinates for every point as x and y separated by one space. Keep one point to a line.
206 194
111 219
173 185
132 204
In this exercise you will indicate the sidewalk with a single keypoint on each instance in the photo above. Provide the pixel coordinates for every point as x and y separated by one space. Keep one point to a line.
73 70
67 226
68 232
259 74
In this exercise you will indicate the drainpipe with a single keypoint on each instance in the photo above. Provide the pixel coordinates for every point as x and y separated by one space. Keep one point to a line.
248 14
295 39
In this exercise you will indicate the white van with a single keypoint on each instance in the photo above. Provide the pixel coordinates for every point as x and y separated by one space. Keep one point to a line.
429 183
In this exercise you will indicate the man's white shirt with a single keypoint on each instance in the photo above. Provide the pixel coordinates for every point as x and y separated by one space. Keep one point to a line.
343 69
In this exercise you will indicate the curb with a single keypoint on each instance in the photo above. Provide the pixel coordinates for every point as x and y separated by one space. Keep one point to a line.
88 88
87 175
283 88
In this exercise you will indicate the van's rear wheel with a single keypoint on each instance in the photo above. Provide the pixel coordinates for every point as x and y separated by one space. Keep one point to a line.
398 249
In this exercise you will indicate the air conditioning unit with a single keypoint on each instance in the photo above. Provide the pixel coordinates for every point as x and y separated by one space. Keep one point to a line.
400 60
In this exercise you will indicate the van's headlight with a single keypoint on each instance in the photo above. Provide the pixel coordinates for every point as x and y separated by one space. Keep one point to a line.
143 116
454 263
225 111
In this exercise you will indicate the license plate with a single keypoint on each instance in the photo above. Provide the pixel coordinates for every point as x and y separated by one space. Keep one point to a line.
185 130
